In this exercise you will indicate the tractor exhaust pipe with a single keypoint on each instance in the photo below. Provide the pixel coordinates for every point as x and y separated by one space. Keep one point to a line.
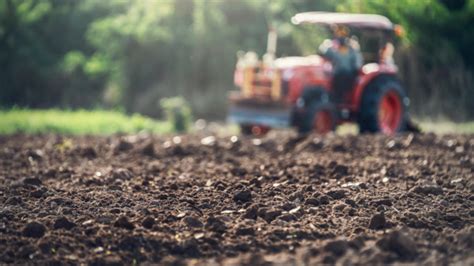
272 41
269 56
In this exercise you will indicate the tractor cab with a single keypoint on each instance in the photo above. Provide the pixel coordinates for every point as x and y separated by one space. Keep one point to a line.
373 32
299 91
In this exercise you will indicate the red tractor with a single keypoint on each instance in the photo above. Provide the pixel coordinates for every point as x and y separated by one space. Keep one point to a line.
299 91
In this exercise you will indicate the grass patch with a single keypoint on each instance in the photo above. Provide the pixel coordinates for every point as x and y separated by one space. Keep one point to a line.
445 127
100 122
96 122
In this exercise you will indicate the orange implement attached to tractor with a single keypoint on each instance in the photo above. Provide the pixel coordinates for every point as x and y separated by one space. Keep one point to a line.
319 92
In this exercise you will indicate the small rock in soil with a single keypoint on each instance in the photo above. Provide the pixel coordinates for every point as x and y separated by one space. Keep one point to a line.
245 230
148 222
32 181
340 170
251 212
38 193
377 221
123 222
323 200
386 202
34 229
297 195
337 193
63 223
192 221
216 224
337 247
270 215
427 189
243 196
288 217
288 206
311 201
339 207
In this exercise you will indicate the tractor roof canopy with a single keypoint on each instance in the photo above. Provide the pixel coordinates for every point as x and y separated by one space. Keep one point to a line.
363 21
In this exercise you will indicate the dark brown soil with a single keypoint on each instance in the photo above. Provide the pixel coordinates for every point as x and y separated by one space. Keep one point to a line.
204 200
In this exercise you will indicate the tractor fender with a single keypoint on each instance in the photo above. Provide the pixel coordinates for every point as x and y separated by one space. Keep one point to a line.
308 96
370 73
312 94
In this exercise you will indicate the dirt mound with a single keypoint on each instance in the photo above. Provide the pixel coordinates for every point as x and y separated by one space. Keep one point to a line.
210 200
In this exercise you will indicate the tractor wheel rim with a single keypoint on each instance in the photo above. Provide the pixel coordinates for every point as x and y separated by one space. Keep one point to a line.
390 113
322 123
258 130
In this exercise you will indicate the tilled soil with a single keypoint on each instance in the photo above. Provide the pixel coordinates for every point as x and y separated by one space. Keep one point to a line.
198 199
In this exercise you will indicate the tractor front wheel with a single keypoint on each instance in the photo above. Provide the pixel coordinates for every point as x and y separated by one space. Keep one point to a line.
323 121
382 107
319 119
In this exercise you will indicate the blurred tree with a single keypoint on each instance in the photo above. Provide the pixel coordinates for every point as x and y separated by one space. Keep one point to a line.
132 53
35 38
454 5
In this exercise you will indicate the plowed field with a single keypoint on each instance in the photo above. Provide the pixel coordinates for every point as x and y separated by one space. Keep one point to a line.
198 199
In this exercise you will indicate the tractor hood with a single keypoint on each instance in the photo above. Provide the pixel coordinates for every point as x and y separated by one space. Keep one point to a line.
298 61
313 67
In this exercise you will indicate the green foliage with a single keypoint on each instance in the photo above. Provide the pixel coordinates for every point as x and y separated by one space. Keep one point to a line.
77 122
446 126
177 113
72 61
94 53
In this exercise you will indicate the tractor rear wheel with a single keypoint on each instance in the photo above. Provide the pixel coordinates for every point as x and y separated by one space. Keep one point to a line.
254 130
382 107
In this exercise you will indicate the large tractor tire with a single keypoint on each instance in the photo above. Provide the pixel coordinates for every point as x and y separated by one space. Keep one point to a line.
254 130
319 114
383 107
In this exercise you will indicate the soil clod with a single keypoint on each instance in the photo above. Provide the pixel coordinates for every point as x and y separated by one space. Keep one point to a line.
148 222
192 221
377 221
243 196
216 225
32 181
63 223
427 189
337 247
123 222
337 194
34 229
